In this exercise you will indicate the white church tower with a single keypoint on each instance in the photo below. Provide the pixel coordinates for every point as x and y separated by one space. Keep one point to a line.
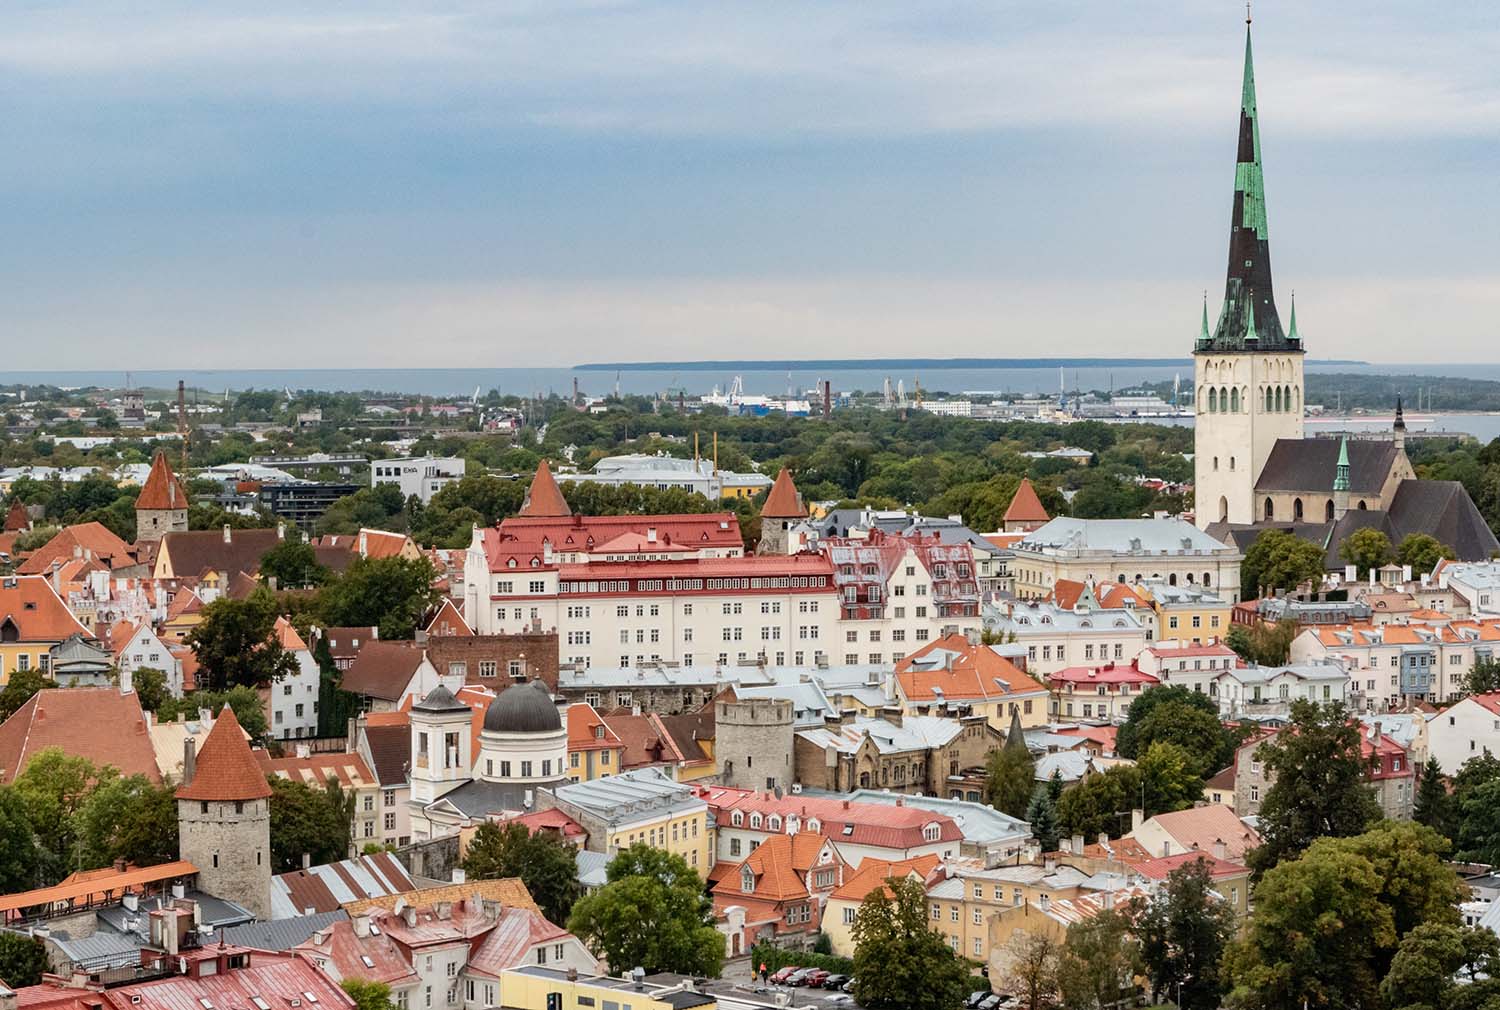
1247 372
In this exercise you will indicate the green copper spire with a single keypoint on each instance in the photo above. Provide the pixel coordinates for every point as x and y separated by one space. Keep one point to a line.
1203 334
1291 333
1341 473
1251 337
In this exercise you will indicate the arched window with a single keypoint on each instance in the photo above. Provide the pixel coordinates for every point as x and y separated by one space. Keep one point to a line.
1207 579
1223 509
1296 510
1278 399
737 818
1362 505
1328 512
1200 401
1223 400
1231 462
1213 401
773 823
815 825
1270 510
755 820
1172 579
1268 399
1234 401
1216 463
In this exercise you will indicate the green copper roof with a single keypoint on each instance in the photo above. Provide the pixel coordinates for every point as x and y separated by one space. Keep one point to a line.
1250 335
1203 333
1341 472
1291 333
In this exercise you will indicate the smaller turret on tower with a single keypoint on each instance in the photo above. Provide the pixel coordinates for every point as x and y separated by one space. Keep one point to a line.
1341 482
1398 429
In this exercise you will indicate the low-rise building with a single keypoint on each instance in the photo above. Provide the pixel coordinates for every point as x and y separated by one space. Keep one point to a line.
925 754
594 750
1466 729
843 904
1389 770
985 834
953 675
545 987
1125 550
1267 692
777 893
1393 665
640 806
1183 664
1055 638
1213 829
1190 614
33 620
418 477
103 724
291 703
1097 692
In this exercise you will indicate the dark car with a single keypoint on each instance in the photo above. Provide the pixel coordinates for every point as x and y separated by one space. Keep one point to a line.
977 997
815 978
835 981
783 974
799 977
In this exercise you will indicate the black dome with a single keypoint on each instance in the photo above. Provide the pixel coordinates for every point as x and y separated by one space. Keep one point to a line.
523 708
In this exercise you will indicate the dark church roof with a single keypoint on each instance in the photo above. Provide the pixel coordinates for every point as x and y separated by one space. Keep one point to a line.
1439 508
1310 464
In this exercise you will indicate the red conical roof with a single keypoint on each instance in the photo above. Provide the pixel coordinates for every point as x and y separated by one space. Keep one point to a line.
17 518
1026 507
162 489
783 502
544 500
226 770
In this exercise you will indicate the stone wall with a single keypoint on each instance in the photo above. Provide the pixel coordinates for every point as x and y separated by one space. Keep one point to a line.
753 743
231 849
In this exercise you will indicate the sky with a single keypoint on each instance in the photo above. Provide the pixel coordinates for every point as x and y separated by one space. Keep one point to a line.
392 183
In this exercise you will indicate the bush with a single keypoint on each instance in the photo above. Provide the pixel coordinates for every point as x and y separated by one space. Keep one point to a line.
779 957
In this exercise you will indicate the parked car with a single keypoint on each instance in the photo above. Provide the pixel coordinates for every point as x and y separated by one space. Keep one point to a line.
990 1002
783 974
839 999
799 977
977 997
849 985
815 978
835 981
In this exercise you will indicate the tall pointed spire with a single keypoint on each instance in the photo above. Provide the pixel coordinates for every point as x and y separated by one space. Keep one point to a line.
1341 471
544 499
1249 274
1203 335
1400 424
1291 332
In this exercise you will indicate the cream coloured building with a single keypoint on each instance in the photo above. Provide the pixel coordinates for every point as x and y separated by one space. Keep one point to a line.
1171 551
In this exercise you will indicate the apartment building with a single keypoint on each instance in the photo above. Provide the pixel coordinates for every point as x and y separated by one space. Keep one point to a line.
1055 638
1391 665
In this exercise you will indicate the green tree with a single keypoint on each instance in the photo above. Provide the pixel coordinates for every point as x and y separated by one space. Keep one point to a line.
237 645
368 995
391 593
1320 786
244 702
1479 823
19 689
1327 924
1367 549
1433 806
1171 778
54 788
293 564
1102 803
128 818
304 821
653 914
1441 966
23 959
1034 960
1422 551
1099 962
544 863
19 857
1266 644
1128 740
1010 778
1279 560
899 962
1184 929
1041 814
1208 743
150 686
1483 678
380 508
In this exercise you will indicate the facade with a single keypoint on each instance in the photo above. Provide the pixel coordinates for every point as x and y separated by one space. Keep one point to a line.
1189 614
779 892
697 475
352 775
1394 665
955 675
291 703
543 987
1466 729
1055 638
419 478
1097 692
33 620
224 818
162 505
594 750
1267 692
1124 550
753 743
843 904
934 756
1391 772
639 806
1182 664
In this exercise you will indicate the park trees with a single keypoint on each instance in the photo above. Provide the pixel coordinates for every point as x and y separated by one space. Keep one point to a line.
1184 929
1279 560
544 863
1367 549
652 913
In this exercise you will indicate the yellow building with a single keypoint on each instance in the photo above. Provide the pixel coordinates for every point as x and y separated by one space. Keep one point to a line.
33 618
536 987
643 806
843 903
594 750
1188 614
954 671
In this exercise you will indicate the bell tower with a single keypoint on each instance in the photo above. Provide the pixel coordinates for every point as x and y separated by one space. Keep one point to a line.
1247 371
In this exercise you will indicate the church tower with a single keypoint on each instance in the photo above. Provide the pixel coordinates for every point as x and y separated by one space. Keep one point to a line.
1247 371
162 505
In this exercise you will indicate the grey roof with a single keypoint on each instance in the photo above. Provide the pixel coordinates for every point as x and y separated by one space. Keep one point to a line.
1070 765
592 867
523 708
979 823
281 934
479 798
1309 464
914 733
214 912
1121 536
1043 618
616 798
440 699
104 949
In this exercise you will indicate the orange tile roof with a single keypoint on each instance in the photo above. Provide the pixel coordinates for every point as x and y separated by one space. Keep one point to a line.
1200 827
1025 506
874 873
17 518
290 640
975 671
544 498
584 726
509 891
1218 869
226 770
314 770
449 621
381 543
162 489
98 723
783 502
1066 592
780 865
93 539
104 882
38 613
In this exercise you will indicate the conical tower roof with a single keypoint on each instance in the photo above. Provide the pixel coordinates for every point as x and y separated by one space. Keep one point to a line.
225 768
17 518
1025 506
544 499
162 490
783 502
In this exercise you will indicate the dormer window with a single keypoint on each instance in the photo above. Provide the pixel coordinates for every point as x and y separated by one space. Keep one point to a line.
815 825
932 833
755 820
774 823
737 819
747 880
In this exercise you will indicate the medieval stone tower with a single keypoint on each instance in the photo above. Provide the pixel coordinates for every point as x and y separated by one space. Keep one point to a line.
1247 372
162 506
753 742
782 510
224 818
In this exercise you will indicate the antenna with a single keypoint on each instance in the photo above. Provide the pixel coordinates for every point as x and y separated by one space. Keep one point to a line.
1247 12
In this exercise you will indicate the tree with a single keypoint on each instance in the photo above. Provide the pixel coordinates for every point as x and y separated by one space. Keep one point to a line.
1441 966
1011 774
1483 678
652 914
1266 644
1099 962
368 995
1032 976
19 689
1041 814
1171 778
1479 823
54 787
392 593
1320 787
1183 930
293 564
544 863
1433 806
150 685
1366 549
23 959
128 818
18 849
1101 803
899 962
304 821
1422 552
1128 743
1327 923
243 701
237 645
1185 725
1279 560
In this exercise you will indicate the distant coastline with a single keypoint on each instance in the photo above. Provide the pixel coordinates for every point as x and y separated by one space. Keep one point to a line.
803 364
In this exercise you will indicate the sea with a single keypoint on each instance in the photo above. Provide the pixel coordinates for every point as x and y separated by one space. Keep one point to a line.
799 379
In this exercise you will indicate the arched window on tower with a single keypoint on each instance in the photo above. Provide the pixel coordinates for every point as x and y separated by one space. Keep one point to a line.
1213 400
1270 510
1223 399
1328 511
1278 399
1268 399
1234 401
1223 509
1297 510
1362 505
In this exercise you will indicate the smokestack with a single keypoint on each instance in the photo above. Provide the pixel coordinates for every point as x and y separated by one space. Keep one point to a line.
827 399
189 758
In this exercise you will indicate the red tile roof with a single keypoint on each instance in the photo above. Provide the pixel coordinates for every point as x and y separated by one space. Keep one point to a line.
1025 506
874 873
763 567
970 672
874 824
544 499
1198 828
226 770
38 613
587 729
1218 869
780 866
83 539
162 490
551 819
17 518
316 769
1109 673
448 621
98 723
783 502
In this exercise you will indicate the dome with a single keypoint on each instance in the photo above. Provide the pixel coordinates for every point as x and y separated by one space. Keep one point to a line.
523 708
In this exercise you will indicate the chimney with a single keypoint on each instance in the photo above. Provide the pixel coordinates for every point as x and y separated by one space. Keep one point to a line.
459 876
1078 844
361 924
306 861
226 533
1137 818
444 910
1049 863
127 681
189 758
1221 851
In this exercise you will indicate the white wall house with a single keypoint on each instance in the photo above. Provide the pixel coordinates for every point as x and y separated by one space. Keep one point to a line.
1464 730
420 477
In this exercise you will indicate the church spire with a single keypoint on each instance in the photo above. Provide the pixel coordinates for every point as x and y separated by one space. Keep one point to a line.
1341 472
1203 334
1249 274
1291 332
1400 424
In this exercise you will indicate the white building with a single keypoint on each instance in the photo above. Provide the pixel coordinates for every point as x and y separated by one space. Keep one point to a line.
1478 583
1123 550
1396 663
1270 690
1180 664
292 702
1464 730
144 650
666 472
421 477
1056 638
